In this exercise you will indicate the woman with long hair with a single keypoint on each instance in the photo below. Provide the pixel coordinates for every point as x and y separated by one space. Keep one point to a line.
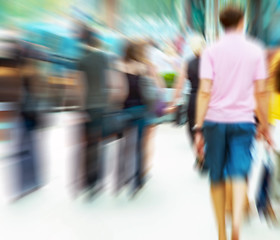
135 67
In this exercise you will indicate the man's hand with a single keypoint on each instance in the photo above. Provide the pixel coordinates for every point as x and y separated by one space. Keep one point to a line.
263 131
199 145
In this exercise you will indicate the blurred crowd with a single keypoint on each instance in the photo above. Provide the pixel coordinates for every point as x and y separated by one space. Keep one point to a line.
69 97
80 113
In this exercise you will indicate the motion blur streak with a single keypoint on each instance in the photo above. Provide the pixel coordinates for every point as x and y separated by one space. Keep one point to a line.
87 86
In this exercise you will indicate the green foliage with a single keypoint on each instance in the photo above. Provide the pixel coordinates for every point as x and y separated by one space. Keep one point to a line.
169 78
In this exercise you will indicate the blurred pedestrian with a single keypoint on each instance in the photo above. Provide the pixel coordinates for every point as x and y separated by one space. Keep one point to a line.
233 72
274 116
93 67
190 71
135 67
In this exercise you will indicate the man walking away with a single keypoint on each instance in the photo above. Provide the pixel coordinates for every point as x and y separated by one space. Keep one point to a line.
232 73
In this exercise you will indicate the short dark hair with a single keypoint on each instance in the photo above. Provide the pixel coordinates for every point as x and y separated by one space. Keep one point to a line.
231 16
89 36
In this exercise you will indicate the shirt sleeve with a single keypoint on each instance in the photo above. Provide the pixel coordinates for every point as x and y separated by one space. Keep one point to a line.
206 70
261 71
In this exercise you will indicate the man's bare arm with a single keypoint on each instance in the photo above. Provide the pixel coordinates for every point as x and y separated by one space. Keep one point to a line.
262 100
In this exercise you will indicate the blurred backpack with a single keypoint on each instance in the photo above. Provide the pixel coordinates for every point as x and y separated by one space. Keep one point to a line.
152 96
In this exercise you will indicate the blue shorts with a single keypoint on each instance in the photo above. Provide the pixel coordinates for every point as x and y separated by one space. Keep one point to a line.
228 149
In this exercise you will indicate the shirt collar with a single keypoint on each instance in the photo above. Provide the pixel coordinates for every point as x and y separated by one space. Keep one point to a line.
232 33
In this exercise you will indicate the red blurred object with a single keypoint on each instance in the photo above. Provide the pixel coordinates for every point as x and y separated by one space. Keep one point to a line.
179 44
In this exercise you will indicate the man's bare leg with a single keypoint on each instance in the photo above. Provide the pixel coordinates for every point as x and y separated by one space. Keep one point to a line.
218 192
239 194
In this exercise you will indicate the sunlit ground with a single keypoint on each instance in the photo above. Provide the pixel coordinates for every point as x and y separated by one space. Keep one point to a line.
174 205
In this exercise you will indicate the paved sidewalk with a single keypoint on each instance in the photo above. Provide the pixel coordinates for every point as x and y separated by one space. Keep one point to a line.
175 205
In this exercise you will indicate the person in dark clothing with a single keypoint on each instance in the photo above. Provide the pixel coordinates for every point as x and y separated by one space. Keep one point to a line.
134 96
192 74
18 79
93 67
134 66
30 118
190 71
